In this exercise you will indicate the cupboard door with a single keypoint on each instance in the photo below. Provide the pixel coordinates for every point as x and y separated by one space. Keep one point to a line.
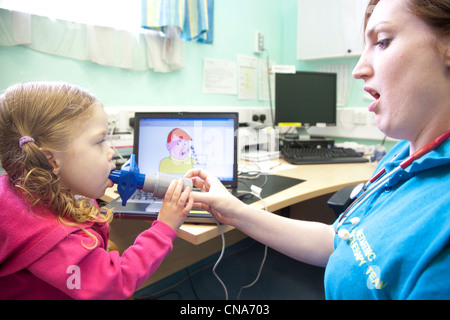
329 28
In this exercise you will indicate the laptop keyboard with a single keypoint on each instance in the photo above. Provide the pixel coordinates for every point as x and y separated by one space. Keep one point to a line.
139 196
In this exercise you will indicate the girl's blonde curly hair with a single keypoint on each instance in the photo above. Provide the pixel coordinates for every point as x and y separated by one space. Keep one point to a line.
48 112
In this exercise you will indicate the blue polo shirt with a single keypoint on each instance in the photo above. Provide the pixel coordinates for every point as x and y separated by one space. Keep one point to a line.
400 248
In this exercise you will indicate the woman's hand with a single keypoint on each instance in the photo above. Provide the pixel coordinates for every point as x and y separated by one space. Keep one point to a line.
176 205
225 206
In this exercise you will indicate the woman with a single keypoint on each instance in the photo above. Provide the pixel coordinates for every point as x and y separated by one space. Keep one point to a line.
396 242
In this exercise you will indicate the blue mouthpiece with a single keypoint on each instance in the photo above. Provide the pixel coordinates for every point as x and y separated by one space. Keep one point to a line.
128 179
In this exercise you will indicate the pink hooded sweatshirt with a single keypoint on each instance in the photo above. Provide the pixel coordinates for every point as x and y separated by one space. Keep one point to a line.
41 258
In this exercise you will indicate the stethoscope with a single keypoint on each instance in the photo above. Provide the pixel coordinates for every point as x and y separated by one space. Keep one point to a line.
364 190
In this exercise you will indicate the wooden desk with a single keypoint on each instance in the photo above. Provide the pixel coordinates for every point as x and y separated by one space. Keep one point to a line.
196 242
320 180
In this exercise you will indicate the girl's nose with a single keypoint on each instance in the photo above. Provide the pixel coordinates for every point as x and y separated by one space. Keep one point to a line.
111 153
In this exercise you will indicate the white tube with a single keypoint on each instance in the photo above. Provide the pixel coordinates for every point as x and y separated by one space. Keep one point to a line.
159 183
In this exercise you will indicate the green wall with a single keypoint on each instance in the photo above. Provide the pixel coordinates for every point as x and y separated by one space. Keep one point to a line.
235 24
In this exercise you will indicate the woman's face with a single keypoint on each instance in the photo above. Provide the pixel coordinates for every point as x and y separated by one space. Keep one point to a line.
405 71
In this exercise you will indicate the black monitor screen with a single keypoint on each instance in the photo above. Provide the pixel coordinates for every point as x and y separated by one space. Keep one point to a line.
308 98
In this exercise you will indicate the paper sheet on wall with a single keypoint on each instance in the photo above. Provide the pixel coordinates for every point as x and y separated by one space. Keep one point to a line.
219 76
247 81
263 80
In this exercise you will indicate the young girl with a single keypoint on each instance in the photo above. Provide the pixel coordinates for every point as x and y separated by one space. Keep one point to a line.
53 238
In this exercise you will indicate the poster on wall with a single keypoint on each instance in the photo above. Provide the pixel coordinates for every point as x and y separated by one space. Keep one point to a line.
247 77
219 76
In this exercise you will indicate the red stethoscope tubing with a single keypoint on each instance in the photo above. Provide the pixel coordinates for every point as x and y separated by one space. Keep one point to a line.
404 164
416 155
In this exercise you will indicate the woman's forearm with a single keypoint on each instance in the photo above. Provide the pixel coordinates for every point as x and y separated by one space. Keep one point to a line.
310 242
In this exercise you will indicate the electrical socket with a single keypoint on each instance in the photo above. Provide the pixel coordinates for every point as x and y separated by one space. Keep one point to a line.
259 42
261 115
359 117
112 121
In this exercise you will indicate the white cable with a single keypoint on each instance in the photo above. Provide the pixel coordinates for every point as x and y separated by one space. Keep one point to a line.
256 194
257 276
221 254
264 257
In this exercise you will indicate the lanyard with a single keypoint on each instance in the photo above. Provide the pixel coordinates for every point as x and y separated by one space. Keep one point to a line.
362 192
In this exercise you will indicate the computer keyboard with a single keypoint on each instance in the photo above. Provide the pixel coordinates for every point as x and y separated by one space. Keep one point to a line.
321 155
141 196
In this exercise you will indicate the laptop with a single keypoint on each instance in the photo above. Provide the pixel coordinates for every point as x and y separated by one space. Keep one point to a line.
173 143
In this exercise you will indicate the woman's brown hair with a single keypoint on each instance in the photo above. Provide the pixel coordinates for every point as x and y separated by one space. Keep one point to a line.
436 13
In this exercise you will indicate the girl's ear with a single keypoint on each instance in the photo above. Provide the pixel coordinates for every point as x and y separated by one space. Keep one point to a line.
52 159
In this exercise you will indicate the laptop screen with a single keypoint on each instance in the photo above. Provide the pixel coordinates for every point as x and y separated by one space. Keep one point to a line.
176 142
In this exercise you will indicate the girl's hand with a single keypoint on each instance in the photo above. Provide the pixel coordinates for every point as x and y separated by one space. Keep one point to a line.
176 205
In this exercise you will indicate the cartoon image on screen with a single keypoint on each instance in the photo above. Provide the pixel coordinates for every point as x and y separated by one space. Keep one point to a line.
174 146
182 156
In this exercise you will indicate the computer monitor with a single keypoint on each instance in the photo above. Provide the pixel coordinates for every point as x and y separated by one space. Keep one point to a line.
304 99
174 142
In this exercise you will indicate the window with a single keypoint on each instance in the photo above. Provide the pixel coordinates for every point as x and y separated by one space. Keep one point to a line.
117 14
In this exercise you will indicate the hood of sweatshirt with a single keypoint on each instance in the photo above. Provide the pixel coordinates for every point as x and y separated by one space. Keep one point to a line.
26 234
